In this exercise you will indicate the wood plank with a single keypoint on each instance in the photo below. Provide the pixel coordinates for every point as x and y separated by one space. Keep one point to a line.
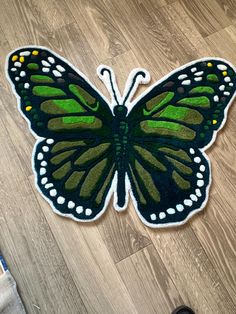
160 3
207 15
191 270
148 282
25 21
229 8
101 29
51 15
150 40
223 43
122 233
183 28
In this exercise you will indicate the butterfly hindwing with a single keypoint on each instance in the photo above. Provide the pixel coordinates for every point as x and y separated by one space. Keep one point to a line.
168 182
54 97
76 175
170 126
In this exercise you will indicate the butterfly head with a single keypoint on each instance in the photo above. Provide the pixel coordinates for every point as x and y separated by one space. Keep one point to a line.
120 111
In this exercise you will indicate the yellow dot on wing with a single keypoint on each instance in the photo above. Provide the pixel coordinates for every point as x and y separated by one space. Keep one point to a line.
22 59
14 58
214 121
224 73
35 52
28 108
209 64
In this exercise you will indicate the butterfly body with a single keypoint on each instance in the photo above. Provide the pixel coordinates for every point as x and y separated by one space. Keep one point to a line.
152 148
120 142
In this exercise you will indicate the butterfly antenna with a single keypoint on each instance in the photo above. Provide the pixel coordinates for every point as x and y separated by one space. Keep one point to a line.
111 82
143 74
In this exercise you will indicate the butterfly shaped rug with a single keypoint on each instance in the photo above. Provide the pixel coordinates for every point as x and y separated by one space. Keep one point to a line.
152 148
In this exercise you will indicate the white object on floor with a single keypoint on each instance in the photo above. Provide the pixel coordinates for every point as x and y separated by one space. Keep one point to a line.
10 301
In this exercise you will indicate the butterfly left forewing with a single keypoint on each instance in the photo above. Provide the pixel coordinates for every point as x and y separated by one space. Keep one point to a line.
54 97
169 128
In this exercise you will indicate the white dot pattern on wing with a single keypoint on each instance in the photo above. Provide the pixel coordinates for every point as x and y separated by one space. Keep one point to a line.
47 66
50 186
198 77
188 202
25 53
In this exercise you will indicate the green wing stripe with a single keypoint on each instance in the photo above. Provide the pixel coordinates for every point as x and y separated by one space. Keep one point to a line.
149 158
176 153
46 91
74 122
92 154
184 114
201 90
86 99
74 180
58 106
180 181
33 66
107 181
170 129
146 179
212 78
157 102
66 145
62 171
41 79
62 156
90 182
75 119
141 197
201 102
181 167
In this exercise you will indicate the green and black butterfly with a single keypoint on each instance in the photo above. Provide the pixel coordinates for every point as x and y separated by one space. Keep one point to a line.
152 148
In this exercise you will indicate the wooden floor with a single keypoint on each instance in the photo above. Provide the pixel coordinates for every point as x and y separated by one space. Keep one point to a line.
117 265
